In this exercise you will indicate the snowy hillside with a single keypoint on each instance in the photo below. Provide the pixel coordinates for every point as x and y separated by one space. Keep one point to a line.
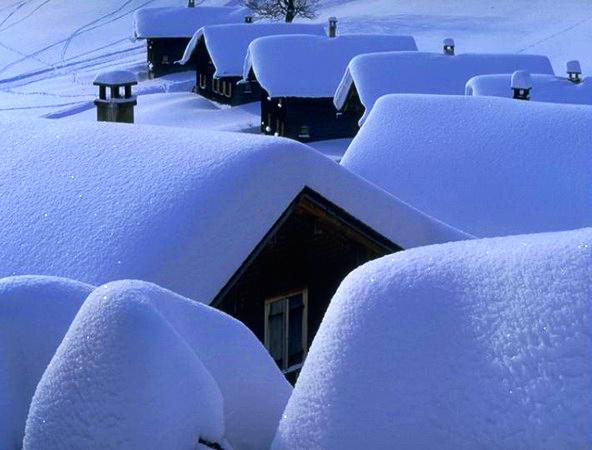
51 49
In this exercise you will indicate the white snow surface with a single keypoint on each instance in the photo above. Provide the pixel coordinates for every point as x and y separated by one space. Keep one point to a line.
545 88
488 166
312 66
228 44
182 22
115 77
35 313
101 202
142 367
379 74
475 344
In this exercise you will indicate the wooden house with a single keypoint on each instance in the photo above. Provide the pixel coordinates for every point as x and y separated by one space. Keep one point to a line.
218 53
264 229
298 76
168 30
369 77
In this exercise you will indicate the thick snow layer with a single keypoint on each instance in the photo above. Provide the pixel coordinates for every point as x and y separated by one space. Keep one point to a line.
545 88
35 313
487 166
171 22
100 202
228 44
115 77
312 66
379 74
476 344
142 367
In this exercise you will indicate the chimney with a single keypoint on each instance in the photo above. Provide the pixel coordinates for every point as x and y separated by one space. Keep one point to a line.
191 4
248 19
521 85
574 71
332 27
116 108
449 46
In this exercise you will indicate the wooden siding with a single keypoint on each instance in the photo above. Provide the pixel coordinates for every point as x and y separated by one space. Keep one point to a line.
167 49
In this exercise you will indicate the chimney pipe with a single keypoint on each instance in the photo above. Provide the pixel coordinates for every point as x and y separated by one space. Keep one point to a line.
191 4
449 46
574 71
521 85
248 19
332 27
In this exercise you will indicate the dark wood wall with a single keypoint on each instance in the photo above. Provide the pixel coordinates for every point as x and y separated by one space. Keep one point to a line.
310 248
173 49
305 119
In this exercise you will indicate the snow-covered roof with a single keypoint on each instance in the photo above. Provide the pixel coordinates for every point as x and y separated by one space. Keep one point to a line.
100 202
312 66
228 44
180 22
475 344
379 74
488 166
113 77
155 361
545 88
35 313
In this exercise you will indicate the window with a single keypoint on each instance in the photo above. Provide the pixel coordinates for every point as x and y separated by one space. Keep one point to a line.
286 330
215 84
304 131
247 88
228 89
279 127
202 81
165 59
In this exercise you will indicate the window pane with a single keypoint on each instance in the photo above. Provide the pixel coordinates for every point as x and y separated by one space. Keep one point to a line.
295 347
276 327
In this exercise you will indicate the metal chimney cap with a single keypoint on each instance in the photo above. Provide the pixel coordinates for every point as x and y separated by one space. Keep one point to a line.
449 42
521 80
574 67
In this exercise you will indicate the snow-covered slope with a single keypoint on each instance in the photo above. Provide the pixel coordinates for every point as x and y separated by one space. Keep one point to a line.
51 49
476 344
35 313
485 165
142 367
100 202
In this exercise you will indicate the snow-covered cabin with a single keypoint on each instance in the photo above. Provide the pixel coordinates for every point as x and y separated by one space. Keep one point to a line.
218 54
369 77
264 229
298 76
168 30
476 344
544 88
486 165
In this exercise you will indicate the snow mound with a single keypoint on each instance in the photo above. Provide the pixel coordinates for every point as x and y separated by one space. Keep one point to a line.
378 74
484 165
142 367
228 44
35 313
477 344
181 22
111 77
312 66
545 88
100 202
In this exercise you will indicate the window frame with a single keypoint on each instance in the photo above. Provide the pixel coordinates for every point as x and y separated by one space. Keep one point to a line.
286 311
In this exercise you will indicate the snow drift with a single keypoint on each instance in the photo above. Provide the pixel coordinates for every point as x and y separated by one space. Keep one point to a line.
35 313
477 344
142 367
487 166
104 202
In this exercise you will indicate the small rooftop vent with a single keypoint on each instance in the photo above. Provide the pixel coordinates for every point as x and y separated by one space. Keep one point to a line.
332 27
574 71
449 46
248 19
191 4
521 85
